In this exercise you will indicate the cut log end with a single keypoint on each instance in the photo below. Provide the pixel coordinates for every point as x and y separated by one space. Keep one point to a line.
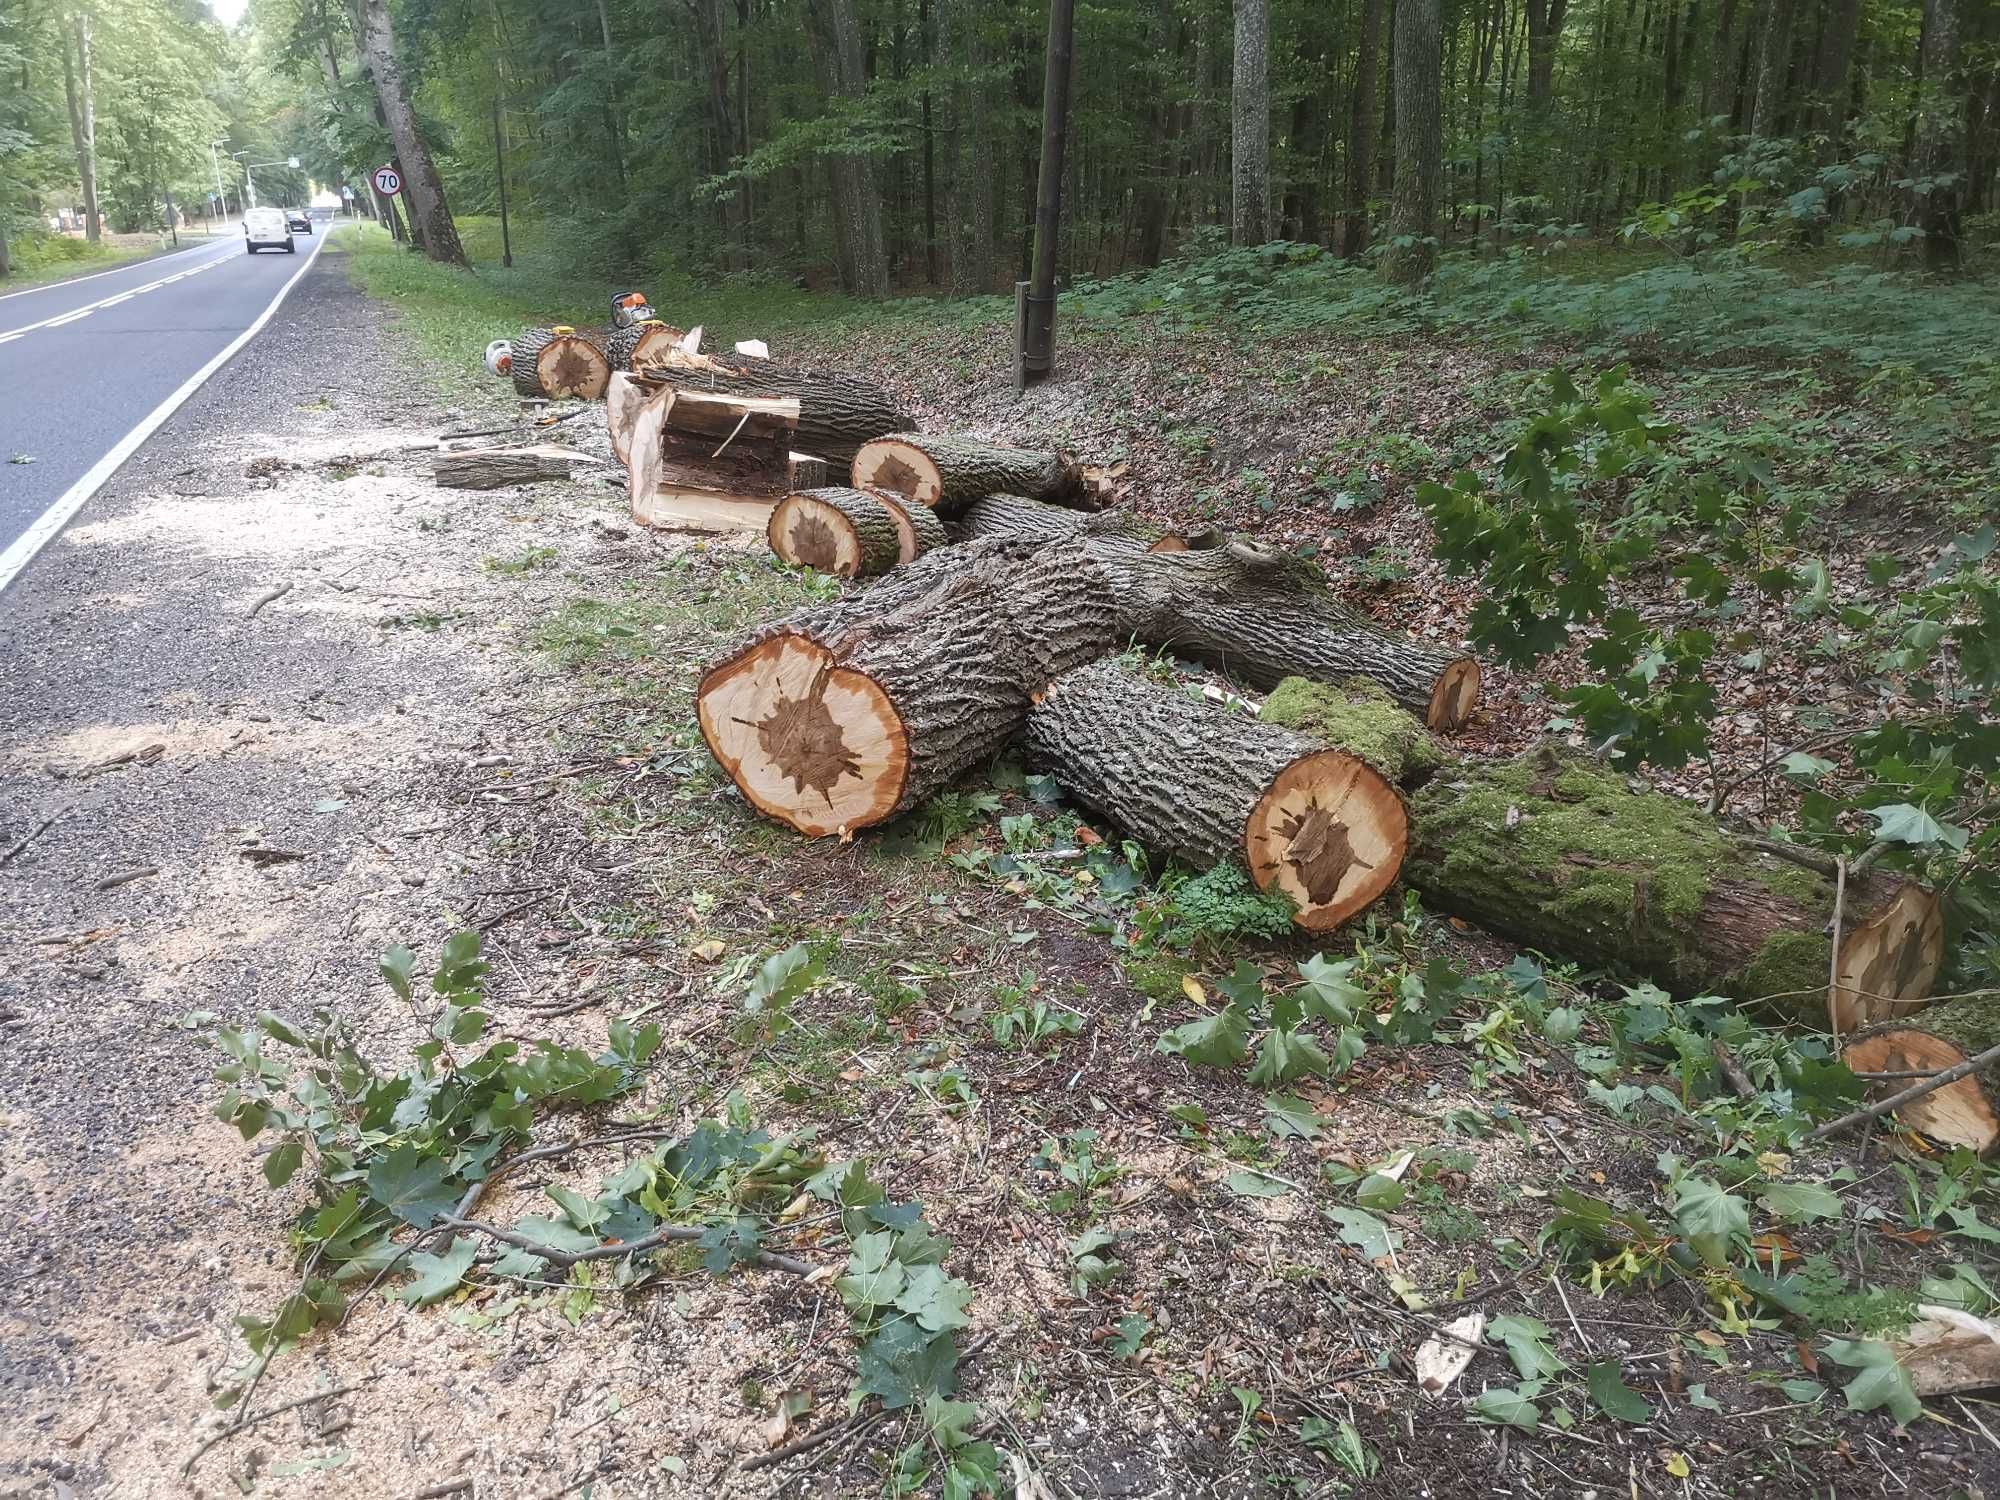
1454 697
900 467
1889 961
572 367
817 746
837 531
1960 1113
917 530
1330 833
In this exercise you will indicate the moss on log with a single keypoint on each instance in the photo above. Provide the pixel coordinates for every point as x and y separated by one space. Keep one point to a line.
1361 718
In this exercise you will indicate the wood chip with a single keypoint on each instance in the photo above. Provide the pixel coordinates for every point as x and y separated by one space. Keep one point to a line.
1446 1353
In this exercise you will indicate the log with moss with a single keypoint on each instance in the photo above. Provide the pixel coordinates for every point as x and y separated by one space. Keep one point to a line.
1036 520
948 471
1189 779
1263 615
1361 718
1964 1113
843 716
1561 855
834 530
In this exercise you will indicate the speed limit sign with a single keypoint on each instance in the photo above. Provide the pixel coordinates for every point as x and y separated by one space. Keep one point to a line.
388 181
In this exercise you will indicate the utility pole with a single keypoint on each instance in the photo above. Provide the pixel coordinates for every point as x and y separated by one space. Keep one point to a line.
221 198
1035 299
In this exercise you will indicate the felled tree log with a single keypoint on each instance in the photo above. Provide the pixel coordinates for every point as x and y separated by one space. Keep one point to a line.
948 471
675 439
494 468
1361 718
1965 1113
1187 778
918 530
839 531
847 714
561 362
1560 855
1263 615
629 346
837 413
1036 520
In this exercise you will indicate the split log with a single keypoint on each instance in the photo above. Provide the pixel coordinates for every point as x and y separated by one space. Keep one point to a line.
494 468
1264 615
671 439
1561 855
1036 520
629 347
847 714
624 399
561 362
837 413
1965 1113
1189 779
917 529
839 531
948 471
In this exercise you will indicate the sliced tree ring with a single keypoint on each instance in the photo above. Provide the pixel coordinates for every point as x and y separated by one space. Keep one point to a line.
848 533
810 742
1330 833
1454 697
1887 961
1963 1113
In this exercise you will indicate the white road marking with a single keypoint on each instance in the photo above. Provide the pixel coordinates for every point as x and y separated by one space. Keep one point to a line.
70 317
51 521
81 312
51 286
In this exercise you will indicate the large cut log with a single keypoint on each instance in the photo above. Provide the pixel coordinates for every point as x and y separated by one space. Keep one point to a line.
918 530
1361 718
1036 520
561 362
840 531
948 471
1964 1113
847 714
1187 778
837 413
1264 615
631 346
671 439
1561 855
493 468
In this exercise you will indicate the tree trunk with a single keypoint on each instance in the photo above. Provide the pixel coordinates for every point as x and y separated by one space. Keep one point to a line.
495 468
1940 137
1032 520
1250 118
720 135
561 362
1773 69
918 530
948 472
833 530
1164 138
1965 1113
1833 61
1363 128
1553 852
1361 718
1419 145
1715 92
1209 786
1263 616
837 413
80 93
836 34
845 715
430 214
1545 28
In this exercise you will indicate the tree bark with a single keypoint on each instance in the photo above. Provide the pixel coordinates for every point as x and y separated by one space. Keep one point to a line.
836 34
1250 120
1965 1113
1940 139
495 468
562 363
1716 90
1554 852
837 413
843 716
948 471
1773 70
1032 520
632 348
1833 60
835 530
1419 144
430 214
1545 28
1263 615
1204 784
1363 128
79 90
918 530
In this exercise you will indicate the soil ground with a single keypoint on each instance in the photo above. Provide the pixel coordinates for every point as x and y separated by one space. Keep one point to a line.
474 710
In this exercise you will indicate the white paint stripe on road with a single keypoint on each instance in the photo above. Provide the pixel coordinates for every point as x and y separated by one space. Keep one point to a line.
30 291
70 317
81 312
51 522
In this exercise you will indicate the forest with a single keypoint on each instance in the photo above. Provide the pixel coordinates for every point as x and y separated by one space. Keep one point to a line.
893 145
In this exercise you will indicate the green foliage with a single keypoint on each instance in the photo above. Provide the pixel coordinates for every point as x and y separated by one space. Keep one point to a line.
1222 906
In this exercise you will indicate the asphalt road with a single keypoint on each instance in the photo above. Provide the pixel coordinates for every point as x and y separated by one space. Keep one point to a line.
84 362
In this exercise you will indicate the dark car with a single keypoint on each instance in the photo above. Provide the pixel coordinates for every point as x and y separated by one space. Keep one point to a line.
298 221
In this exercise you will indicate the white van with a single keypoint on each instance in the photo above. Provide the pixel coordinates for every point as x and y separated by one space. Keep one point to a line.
265 228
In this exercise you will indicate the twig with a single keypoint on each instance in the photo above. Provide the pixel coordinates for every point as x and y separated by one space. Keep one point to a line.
574 1485
112 882
1868 856
248 1422
266 854
1732 1070
520 906
267 597
46 825
1810 859
1581 1337
1914 1092
666 1234
1833 962
450 1487
813 1440
1720 795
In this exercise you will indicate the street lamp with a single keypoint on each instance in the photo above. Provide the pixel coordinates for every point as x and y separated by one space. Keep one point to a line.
249 183
221 198
290 161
